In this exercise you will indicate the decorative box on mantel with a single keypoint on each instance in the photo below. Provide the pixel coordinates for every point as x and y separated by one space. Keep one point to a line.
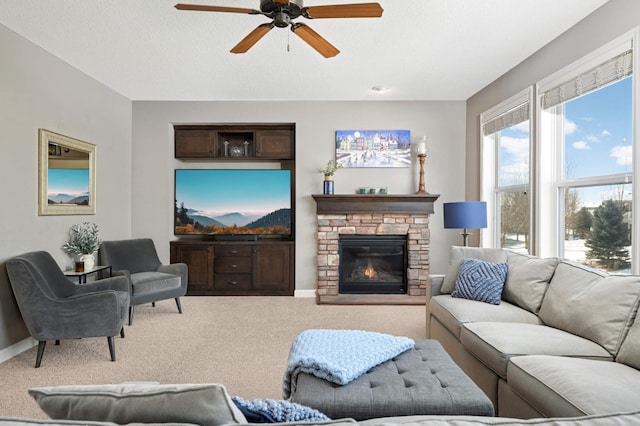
371 215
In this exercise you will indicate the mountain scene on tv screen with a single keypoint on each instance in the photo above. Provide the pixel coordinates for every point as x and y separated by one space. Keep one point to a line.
193 222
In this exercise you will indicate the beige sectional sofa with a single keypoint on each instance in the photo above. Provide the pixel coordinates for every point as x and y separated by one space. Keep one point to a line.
563 341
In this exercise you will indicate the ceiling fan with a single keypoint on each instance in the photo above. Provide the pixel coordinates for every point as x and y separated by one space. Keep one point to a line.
283 12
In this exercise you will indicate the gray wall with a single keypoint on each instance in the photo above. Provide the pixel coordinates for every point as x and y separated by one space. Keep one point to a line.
610 21
316 123
38 90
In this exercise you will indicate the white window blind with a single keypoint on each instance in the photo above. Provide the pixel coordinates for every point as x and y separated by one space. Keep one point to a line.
616 68
507 119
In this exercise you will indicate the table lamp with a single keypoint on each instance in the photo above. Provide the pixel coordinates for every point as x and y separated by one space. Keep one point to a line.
465 215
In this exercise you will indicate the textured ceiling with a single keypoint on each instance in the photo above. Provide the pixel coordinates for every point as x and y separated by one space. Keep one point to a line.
419 49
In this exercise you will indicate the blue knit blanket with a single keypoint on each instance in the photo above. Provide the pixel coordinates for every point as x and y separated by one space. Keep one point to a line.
272 411
339 356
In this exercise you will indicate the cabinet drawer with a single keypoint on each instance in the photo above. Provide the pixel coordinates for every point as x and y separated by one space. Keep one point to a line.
232 265
232 250
232 282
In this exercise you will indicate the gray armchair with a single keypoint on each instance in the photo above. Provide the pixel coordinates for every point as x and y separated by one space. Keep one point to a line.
54 308
150 280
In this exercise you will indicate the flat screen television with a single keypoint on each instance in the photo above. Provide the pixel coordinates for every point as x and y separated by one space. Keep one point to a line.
233 203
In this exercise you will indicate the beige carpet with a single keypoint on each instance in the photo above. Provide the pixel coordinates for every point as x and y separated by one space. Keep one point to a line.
241 342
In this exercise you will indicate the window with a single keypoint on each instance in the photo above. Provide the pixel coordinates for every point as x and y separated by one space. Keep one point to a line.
558 172
506 150
586 160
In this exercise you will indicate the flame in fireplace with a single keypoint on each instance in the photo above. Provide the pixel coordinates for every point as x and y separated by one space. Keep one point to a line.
370 271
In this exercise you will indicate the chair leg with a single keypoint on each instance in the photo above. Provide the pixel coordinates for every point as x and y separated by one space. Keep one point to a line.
130 314
41 345
57 342
122 332
112 347
179 305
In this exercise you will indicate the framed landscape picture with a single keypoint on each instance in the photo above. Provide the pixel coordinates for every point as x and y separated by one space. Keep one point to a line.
373 148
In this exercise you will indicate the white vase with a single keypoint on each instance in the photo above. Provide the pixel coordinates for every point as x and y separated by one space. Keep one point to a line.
89 261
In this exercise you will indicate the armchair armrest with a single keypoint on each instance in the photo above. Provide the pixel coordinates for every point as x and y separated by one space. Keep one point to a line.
180 269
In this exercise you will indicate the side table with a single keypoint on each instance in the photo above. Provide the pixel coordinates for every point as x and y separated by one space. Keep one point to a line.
82 276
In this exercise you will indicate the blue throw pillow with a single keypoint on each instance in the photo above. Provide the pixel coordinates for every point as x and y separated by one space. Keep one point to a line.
480 280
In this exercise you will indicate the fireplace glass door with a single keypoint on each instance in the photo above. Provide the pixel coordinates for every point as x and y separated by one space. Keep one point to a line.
373 264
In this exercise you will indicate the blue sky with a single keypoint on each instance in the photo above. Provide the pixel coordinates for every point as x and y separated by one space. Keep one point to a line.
598 138
68 181
598 141
216 192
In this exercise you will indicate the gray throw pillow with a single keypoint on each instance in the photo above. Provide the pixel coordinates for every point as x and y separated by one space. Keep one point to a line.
202 404
481 281
458 253
528 280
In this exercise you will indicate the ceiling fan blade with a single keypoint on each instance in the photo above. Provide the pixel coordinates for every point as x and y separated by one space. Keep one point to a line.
361 10
251 39
315 40
203 8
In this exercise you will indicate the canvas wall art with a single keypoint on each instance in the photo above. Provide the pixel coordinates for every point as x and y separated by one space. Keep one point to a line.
373 148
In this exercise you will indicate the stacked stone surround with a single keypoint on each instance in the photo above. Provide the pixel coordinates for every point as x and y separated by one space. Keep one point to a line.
414 226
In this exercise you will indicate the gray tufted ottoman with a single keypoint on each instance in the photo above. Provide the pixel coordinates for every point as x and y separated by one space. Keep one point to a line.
423 380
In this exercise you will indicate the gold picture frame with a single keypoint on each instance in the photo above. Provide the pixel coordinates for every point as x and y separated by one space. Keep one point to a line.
66 175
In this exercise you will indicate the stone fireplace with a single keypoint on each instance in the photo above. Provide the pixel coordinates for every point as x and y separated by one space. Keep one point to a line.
366 216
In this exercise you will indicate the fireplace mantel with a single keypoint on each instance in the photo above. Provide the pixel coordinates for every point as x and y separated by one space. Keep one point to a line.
373 214
374 203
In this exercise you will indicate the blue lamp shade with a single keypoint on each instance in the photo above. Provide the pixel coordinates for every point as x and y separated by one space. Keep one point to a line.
465 215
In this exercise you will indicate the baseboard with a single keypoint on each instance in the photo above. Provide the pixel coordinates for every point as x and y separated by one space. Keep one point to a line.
304 293
17 348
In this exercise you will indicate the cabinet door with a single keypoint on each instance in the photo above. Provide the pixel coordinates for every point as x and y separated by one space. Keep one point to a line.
272 269
274 144
199 260
194 143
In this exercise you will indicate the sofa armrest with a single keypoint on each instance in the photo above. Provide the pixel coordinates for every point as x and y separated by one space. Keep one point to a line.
434 285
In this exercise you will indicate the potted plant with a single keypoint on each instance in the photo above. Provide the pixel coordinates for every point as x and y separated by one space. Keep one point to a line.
331 167
84 242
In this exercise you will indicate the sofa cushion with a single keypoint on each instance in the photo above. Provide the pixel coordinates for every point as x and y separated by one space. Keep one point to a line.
203 404
629 353
453 312
458 253
528 279
565 386
495 343
591 304
616 419
480 280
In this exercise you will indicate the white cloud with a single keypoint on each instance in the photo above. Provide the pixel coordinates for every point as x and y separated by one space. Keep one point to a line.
514 166
523 127
605 132
581 145
622 154
593 138
569 126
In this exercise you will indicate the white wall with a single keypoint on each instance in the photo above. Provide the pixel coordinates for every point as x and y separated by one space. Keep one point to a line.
38 90
316 123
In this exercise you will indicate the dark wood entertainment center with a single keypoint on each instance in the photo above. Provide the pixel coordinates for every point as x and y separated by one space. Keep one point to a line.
238 268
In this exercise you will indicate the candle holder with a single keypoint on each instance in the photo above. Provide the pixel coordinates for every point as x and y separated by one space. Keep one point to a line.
421 190
421 150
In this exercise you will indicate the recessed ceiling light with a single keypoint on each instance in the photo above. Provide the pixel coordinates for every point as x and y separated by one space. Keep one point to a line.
379 89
